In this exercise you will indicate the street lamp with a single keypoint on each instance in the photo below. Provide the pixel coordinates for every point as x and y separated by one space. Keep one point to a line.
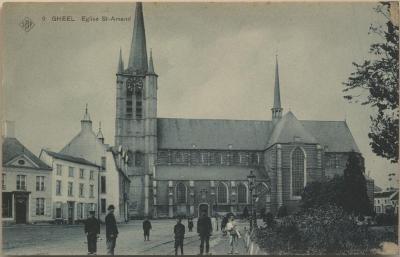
251 179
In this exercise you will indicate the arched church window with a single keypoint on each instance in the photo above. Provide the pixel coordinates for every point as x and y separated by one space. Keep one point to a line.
139 159
180 193
297 172
222 193
242 193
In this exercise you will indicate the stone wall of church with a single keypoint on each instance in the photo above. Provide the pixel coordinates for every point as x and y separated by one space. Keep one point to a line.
334 163
270 162
201 193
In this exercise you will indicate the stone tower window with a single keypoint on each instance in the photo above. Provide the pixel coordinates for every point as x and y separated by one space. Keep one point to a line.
129 104
139 109
138 159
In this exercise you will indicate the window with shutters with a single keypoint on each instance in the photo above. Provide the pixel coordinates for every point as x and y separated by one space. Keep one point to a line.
297 171
222 193
181 192
21 182
103 205
91 191
59 170
81 190
39 183
81 173
39 206
242 193
71 172
103 184
58 187
70 188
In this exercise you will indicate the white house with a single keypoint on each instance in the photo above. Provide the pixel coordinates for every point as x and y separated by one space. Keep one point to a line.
74 186
385 201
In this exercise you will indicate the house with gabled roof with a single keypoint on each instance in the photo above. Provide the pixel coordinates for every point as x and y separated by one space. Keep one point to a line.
26 182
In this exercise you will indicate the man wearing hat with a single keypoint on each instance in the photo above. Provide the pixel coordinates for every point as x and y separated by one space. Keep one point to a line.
92 230
111 230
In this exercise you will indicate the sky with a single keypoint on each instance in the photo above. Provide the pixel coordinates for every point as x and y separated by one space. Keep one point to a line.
214 60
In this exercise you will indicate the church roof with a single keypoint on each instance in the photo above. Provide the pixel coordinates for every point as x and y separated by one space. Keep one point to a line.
335 135
290 129
13 148
175 172
174 133
213 134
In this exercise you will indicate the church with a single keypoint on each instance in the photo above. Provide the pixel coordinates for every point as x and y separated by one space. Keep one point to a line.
185 166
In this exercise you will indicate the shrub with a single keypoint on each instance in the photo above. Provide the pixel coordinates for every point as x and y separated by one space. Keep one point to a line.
324 230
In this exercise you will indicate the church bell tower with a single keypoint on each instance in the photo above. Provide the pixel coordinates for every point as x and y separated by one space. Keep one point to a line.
136 116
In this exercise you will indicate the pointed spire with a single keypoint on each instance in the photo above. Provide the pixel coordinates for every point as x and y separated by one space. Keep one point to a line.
120 62
277 91
138 54
100 135
277 109
151 65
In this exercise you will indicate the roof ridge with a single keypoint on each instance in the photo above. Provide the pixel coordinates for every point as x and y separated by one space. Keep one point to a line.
210 119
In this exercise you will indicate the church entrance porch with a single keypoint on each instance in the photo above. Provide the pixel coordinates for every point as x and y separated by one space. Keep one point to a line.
203 207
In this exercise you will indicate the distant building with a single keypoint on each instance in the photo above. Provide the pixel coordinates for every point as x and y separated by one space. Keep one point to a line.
385 201
26 183
75 186
113 182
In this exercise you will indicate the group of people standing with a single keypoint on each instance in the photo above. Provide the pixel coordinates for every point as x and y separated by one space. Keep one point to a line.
204 229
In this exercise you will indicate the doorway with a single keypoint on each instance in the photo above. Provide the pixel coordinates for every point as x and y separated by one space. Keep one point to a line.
21 208
71 210
203 207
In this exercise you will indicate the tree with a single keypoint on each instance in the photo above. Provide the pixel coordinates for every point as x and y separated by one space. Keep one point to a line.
379 79
355 199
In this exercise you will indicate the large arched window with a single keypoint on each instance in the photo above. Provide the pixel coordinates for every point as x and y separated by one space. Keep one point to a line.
222 193
180 193
242 193
297 171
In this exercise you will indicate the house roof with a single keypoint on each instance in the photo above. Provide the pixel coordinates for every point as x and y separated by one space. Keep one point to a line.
175 172
174 133
70 158
13 148
287 129
385 194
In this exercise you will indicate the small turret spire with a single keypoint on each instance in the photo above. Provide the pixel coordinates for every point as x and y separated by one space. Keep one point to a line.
120 62
277 109
151 65
138 53
100 135
86 122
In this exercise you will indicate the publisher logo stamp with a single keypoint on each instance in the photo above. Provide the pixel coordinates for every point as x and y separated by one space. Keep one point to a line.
27 24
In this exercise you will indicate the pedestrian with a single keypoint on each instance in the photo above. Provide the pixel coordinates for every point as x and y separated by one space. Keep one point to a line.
223 225
190 224
233 234
92 231
111 230
146 229
179 231
204 228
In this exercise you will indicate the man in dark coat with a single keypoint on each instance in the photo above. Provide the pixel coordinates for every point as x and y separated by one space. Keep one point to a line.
92 230
146 229
179 231
204 228
111 230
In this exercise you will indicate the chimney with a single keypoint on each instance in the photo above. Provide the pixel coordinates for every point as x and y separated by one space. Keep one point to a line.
9 129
